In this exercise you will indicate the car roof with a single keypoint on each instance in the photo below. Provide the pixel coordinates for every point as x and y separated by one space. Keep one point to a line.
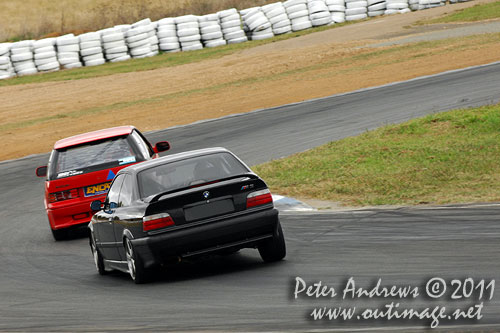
135 168
93 136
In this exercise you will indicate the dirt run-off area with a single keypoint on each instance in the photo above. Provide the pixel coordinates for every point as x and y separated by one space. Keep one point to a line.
365 54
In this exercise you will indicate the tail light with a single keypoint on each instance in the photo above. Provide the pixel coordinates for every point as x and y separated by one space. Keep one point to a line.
63 195
258 198
156 221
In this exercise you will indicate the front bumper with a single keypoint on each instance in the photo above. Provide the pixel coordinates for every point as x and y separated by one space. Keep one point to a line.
237 232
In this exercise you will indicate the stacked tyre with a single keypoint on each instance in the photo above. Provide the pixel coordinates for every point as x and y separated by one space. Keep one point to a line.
356 10
137 40
149 28
396 7
298 14
188 31
21 56
211 31
278 18
337 10
425 4
318 13
230 22
115 48
377 7
258 24
45 55
414 4
6 69
91 49
167 35
68 51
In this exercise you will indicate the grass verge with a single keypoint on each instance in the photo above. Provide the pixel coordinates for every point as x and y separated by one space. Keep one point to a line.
472 14
443 158
160 61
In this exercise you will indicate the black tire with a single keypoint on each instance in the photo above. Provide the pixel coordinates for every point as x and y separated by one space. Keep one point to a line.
59 235
273 249
135 266
96 254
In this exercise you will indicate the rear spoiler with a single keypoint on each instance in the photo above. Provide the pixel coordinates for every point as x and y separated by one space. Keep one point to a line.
158 196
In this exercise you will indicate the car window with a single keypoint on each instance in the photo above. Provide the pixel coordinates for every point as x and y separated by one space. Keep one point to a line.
188 172
114 191
126 192
93 156
141 145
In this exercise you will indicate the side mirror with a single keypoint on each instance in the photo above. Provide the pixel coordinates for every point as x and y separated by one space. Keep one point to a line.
161 146
41 171
95 205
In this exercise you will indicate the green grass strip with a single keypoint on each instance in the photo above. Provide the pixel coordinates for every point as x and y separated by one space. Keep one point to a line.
472 14
442 158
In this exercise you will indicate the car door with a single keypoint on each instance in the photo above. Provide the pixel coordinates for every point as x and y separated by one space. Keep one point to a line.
107 219
124 213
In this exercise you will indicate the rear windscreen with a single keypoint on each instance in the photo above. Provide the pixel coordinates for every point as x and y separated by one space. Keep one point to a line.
189 172
91 157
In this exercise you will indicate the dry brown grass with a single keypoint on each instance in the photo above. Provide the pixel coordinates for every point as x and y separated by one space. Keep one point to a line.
23 19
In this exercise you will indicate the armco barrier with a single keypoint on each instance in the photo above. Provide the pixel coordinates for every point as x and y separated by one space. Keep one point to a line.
145 38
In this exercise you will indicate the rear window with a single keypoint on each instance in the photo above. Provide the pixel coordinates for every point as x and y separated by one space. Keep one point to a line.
188 172
92 156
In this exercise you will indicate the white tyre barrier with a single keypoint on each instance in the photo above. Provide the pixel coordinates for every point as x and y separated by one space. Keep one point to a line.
167 35
137 39
188 31
29 71
231 26
356 17
91 48
6 68
377 7
20 50
355 11
215 43
298 14
356 4
375 13
45 55
68 51
21 57
69 48
259 26
319 13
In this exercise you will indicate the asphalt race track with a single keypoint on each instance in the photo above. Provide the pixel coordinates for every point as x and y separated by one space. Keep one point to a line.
49 286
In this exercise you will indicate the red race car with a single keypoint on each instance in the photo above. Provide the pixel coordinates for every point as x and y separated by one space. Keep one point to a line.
81 169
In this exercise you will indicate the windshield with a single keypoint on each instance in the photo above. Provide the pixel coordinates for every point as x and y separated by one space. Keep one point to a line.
189 172
93 156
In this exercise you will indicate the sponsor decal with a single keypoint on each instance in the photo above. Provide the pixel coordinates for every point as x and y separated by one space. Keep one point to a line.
69 173
126 160
98 189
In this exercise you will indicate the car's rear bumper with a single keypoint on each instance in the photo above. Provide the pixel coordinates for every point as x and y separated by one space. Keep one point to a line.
71 214
237 232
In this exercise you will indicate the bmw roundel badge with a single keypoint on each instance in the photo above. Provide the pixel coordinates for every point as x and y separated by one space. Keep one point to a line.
206 194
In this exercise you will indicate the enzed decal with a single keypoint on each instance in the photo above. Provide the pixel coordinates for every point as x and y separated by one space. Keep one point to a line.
98 189
69 173
126 160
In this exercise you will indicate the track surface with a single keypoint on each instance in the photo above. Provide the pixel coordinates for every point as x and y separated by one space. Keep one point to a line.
52 286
